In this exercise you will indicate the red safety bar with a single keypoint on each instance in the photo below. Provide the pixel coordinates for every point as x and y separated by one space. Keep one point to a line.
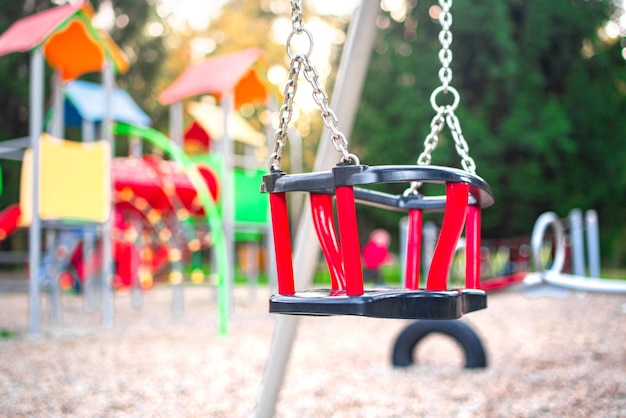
472 248
323 220
455 213
413 250
350 247
344 261
282 243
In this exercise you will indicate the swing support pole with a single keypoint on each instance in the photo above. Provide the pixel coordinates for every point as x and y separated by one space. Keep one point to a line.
351 77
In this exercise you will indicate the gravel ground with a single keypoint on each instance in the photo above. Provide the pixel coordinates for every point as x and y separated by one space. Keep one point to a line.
547 357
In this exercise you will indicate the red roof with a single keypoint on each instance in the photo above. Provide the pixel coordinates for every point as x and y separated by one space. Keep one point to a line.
31 31
238 72
70 43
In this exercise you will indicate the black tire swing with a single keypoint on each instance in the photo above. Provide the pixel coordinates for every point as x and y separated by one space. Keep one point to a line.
466 194
403 353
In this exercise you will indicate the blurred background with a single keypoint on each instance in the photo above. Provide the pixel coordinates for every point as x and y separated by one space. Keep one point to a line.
542 85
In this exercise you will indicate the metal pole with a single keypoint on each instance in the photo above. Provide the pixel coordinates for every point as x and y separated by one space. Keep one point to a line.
88 131
176 135
176 123
90 236
593 243
135 147
228 197
34 235
108 308
350 80
56 129
57 126
578 241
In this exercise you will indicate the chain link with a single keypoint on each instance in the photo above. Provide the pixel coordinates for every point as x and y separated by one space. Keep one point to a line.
300 63
460 144
430 143
445 113
285 113
297 22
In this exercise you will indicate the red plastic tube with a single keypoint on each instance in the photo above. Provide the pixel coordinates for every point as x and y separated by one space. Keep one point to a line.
349 233
282 243
413 250
323 219
472 248
455 213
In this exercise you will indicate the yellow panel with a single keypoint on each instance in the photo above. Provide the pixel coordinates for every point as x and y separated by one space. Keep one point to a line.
75 181
26 189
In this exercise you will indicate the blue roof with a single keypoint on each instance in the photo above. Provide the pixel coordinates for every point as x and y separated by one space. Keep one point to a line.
85 101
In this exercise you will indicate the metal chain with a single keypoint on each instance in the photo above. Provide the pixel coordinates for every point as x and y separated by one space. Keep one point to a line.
445 113
301 63
285 114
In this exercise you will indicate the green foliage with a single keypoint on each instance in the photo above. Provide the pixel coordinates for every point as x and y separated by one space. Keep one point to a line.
542 107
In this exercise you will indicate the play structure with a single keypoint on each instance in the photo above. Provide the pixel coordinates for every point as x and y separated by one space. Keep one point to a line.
66 39
234 80
112 222
562 266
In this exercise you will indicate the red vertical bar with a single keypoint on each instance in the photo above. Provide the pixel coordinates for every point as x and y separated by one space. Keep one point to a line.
349 233
282 243
472 248
323 220
413 250
457 196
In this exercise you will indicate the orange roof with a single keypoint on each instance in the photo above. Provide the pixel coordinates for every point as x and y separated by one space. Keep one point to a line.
70 42
242 72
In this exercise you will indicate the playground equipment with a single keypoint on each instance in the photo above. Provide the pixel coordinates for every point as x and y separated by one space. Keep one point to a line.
466 194
555 275
404 347
84 107
72 195
233 79
66 38
207 125
138 188
203 182
157 191
504 262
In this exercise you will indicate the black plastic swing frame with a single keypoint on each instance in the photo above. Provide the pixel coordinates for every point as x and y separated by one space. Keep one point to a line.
382 303
379 302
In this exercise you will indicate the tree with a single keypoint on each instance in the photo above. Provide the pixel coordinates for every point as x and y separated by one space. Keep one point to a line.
141 33
542 105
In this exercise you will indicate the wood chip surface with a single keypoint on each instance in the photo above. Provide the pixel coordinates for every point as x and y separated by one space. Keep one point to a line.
548 356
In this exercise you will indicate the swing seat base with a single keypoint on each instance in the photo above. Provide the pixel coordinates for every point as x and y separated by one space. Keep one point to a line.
382 303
